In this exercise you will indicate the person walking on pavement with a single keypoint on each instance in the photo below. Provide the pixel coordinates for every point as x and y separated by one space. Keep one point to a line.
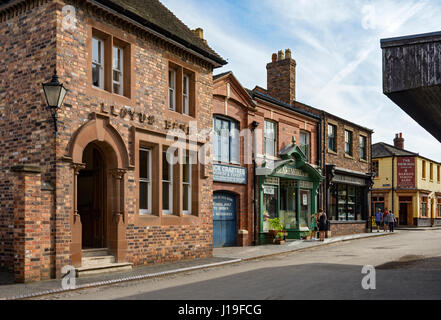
322 224
378 217
391 221
384 221
314 227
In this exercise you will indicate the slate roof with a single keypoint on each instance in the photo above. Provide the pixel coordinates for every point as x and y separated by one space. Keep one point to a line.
154 15
220 75
381 150
268 98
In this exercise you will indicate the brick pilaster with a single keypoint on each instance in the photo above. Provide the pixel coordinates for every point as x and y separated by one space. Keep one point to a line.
28 233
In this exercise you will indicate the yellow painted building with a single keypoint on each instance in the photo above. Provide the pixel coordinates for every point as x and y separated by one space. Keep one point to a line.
406 183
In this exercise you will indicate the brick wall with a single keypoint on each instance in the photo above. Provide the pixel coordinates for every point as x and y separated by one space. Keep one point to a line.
341 229
146 244
340 159
35 43
27 52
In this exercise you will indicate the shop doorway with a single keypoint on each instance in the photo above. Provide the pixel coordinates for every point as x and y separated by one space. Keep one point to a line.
224 219
405 213
91 199
305 208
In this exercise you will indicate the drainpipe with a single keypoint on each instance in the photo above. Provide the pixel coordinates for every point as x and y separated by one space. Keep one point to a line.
254 125
319 139
324 183
393 182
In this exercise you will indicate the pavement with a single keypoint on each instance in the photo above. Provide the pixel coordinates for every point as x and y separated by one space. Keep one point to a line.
221 256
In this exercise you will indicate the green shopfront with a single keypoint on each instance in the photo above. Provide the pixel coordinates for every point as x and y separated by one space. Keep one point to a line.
288 190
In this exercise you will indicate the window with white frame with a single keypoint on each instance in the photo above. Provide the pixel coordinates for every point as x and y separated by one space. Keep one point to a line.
348 142
167 184
186 94
117 66
226 140
332 137
363 148
305 144
186 186
172 89
270 137
145 181
98 63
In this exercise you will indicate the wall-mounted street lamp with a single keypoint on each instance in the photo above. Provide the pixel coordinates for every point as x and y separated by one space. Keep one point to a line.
55 93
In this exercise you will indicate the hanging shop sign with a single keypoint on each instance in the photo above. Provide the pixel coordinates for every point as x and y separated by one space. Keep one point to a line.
229 174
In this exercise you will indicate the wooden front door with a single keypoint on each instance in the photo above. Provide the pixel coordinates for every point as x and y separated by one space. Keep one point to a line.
403 214
91 199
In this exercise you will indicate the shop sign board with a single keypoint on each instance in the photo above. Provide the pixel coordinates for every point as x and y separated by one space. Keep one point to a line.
406 172
229 174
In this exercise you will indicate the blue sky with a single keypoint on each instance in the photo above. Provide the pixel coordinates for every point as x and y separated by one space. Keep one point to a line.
336 44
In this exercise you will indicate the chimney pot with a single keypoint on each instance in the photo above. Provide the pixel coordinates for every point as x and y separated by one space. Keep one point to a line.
280 56
199 32
274 57
288 54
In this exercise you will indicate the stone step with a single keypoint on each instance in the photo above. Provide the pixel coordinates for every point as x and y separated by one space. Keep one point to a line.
94 260
103 268
95 252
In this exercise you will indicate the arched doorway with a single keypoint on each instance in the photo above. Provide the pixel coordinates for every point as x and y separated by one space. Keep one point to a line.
99 164
91 199
224 219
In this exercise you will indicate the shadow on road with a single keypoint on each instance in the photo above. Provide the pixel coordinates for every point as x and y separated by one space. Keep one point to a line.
396 280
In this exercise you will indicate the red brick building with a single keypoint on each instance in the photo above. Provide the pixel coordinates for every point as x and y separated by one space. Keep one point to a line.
330 161
100 185
245 196
344 155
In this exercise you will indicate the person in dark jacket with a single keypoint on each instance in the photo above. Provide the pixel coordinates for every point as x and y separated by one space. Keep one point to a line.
322 224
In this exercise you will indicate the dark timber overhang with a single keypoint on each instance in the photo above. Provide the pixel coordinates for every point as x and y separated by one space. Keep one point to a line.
412 77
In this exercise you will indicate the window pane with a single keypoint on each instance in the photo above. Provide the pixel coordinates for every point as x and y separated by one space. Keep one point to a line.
225 142
185 85
165 167
165 196
143 196
96 50
186 171
116 76
186 105
95 75
171 99
117 58
271 138
234 143
116 88
216 139
144 164
171 79
186 190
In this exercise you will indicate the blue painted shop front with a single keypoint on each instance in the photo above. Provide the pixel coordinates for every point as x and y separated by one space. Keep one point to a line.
224 219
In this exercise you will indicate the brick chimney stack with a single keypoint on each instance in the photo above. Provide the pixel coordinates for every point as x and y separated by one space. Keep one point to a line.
399 141
281 76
